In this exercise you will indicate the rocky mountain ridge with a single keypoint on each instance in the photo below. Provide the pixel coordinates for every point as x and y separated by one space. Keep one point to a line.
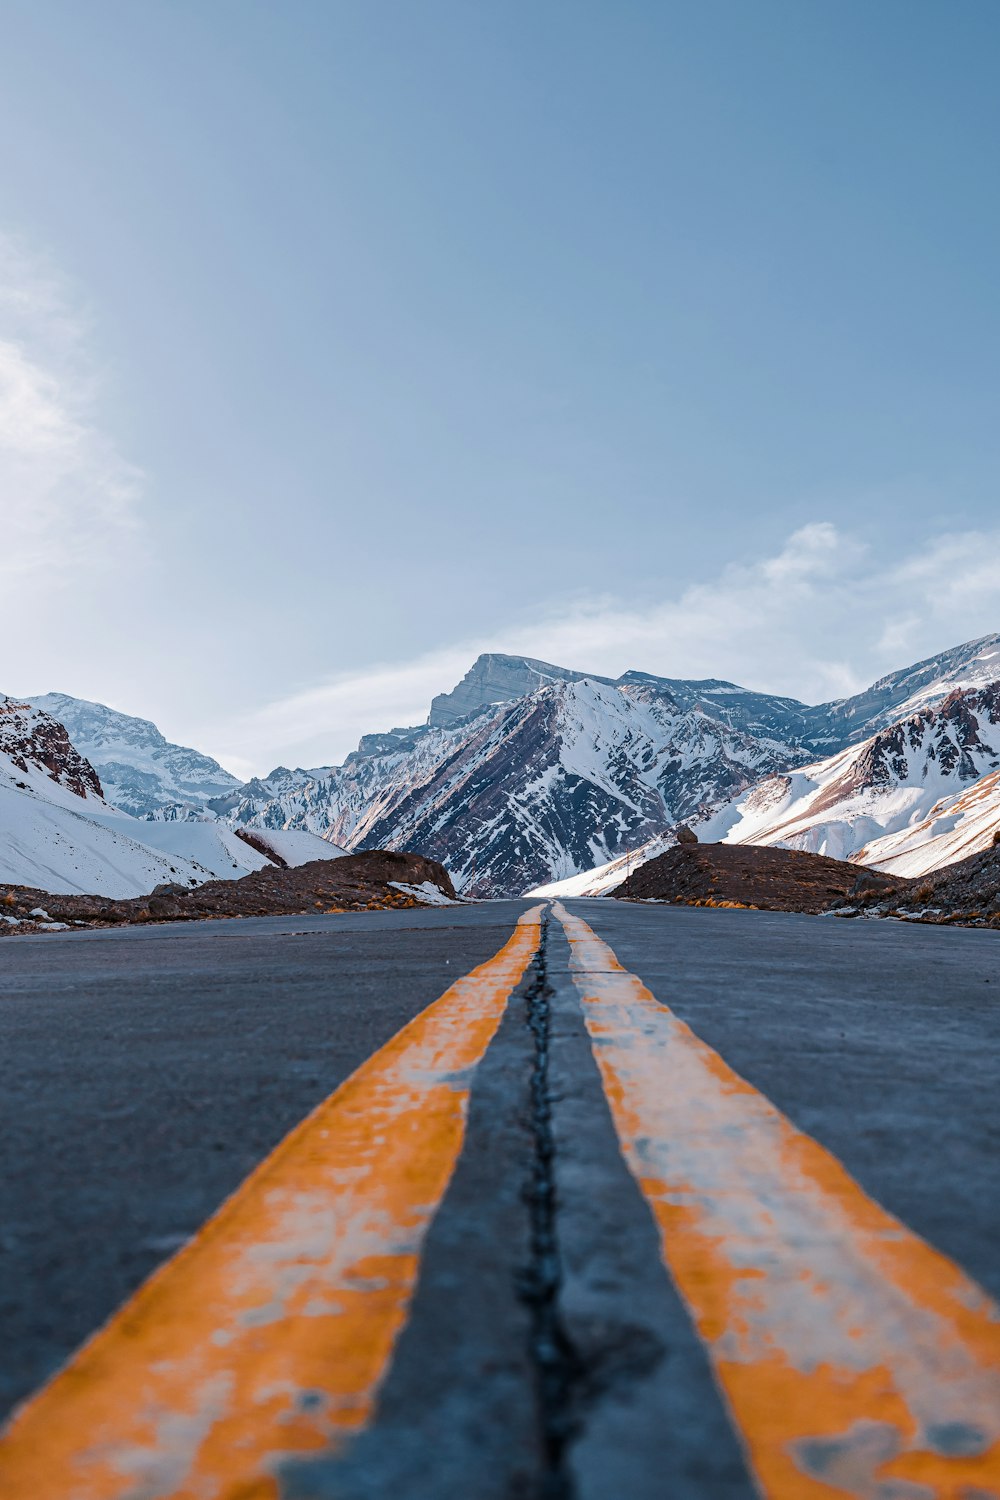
141 771
866 803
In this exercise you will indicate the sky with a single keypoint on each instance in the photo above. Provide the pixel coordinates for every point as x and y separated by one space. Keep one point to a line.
341 341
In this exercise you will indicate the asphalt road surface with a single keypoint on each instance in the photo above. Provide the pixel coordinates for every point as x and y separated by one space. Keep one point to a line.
657 1202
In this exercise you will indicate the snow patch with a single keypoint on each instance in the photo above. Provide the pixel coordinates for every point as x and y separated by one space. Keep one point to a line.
426 892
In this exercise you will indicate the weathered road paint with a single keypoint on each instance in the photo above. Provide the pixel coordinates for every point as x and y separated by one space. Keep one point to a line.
854 1358
267 1336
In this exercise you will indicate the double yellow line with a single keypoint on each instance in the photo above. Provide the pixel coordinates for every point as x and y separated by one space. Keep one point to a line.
854 1359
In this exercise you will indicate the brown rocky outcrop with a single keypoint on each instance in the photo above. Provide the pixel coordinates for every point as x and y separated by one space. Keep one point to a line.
32 739
358 882
750 875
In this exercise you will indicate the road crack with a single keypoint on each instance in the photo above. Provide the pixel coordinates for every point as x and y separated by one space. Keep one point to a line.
557 1367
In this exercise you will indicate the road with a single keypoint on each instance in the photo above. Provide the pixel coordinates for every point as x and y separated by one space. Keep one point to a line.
707 1207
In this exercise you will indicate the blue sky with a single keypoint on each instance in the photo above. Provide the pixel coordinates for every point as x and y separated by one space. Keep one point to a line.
341 340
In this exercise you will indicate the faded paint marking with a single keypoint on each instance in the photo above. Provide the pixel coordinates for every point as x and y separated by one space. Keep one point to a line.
267 1336
855 1359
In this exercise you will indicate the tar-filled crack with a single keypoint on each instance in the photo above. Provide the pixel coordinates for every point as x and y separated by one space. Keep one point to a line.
557 1369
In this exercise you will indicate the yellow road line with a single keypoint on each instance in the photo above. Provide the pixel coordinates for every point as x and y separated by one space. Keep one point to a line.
268 1335
855 1359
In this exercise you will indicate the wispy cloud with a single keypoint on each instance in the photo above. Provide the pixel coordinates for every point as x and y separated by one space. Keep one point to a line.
66 494
819 619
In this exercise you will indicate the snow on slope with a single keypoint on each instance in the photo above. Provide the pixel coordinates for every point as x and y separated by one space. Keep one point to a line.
58 833
294 846
567 777
31 740
141 772
211 846
51 838
955 827
604 879
895 785
902 694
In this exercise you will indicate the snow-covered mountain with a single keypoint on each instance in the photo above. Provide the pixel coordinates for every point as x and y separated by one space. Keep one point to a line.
575 771
141 772
528 773
886 797
914 797
56 830
494 680
33 743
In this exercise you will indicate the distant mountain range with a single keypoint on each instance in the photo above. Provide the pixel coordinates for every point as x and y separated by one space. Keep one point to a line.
528 773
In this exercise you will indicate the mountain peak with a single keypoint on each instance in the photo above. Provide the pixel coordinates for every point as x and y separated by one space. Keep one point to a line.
497 678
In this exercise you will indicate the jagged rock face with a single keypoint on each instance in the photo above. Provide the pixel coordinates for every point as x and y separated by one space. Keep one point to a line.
141 771
953 741
494 679
551 783
952 736
569 777
497 783
882 798
901 694
33 739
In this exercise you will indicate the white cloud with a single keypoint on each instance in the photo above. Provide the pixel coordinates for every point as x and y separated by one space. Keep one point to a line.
67 497
820 619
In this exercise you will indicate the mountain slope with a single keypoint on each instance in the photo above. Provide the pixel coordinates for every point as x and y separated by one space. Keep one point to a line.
576 771
900 781
56 830
904 693
493 680
141 772
957 826
58 833
31 741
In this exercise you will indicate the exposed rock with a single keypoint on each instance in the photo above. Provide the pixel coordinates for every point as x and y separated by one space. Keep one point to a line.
256 842
494 679
745 875
141 771
967 892
357 882
33 739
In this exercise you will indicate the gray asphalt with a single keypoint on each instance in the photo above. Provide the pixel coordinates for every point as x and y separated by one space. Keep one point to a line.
147 1071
